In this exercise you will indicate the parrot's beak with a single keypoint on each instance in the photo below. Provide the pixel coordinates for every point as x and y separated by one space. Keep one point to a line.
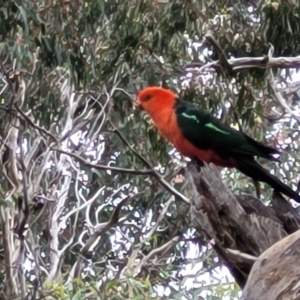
137 103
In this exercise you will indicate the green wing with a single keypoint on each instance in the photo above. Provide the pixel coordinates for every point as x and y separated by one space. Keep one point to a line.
207 132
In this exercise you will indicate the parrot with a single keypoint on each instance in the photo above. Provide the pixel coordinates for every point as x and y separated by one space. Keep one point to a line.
202 137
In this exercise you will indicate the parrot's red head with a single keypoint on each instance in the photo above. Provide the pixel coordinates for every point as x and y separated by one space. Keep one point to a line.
155 99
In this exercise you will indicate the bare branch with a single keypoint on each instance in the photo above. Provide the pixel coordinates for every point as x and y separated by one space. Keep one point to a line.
152 172
98 234
105 167
163 248
160 179
280 99
246 63
31 123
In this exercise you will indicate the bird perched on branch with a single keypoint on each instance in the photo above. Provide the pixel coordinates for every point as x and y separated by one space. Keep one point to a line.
202 137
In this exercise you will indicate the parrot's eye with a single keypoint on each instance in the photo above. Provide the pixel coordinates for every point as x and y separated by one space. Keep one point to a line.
147 97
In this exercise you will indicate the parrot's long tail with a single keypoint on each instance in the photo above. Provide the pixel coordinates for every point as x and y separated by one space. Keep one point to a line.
251 168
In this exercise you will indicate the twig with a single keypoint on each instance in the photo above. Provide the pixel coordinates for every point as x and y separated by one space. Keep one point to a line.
105 167
160 179
30 122
280 99
99 233
164 247
152 172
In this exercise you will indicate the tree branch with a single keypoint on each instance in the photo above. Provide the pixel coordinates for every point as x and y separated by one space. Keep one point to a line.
221 54
105 167
98 234
245 63
280 99
160 179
